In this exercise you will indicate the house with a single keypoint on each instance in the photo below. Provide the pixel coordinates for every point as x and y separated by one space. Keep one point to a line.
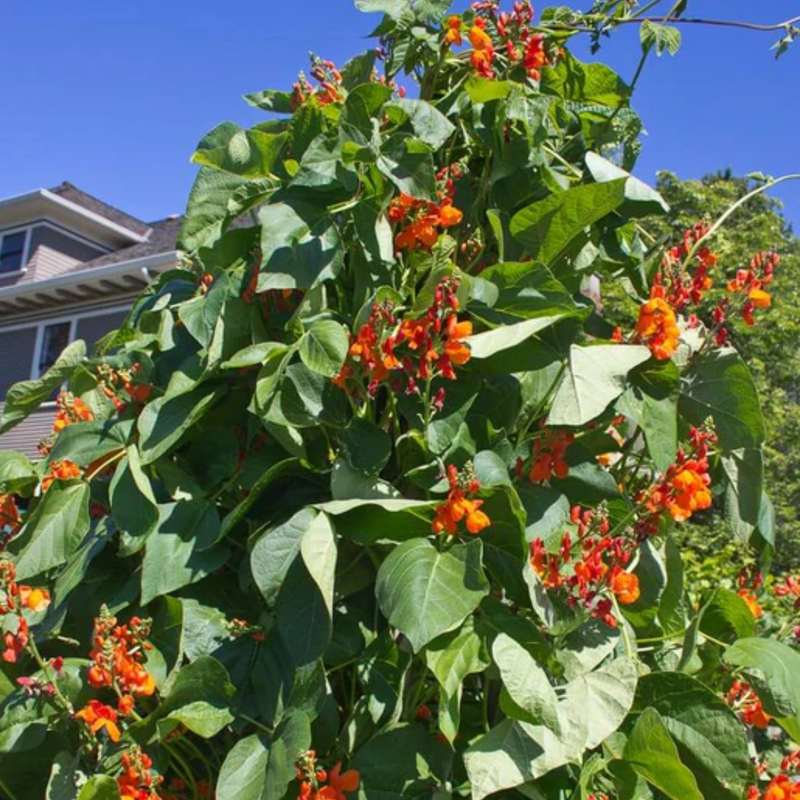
70 268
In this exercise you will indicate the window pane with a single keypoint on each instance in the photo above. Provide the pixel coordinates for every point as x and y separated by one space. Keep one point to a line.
13 246
54 340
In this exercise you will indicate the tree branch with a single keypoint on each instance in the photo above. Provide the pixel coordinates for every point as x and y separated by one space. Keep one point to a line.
787 25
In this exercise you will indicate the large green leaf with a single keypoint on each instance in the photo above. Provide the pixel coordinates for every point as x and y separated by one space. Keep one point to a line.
651 751
429 124
779 666
546 227
86 442
720 386
511 754
323 347
451 658
640 199
709 738
55 529
216 199
371 520
651 400
17 474
593 83
744 471
274 550
526 683
22 399
596 703
164 421
133 504
249 153
318 549
300 246
596 375
425 593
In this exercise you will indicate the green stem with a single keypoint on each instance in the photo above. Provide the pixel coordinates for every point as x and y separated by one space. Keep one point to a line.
51 679
255 723
624 626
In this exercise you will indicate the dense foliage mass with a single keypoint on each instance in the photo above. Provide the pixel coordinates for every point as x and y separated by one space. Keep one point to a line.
369 499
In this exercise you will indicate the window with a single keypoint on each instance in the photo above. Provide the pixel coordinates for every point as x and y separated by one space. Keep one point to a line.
54 339
12 252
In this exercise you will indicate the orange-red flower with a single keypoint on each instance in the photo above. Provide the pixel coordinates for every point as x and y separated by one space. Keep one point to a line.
71 410
33 599
658 328
460 506
549 452
10 521
15 643
136 782
453 34
743 699
63 470
752 603
98 717
625 586
482 55
690 492
423 220
340 782
782 787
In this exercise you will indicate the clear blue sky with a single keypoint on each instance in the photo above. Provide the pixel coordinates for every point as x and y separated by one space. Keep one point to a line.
114 96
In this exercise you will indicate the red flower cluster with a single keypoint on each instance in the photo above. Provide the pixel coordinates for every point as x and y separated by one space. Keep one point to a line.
137 781
460 504
330 89
744 701
113 382
510 30
16 598
100 717
71 410
10 520
318 784
422 349
549 452
63 470
684 487
118 653
422 221
599 565
750 283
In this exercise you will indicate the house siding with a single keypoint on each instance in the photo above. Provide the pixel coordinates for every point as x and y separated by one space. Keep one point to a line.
52 253
92 329
27 435
16 357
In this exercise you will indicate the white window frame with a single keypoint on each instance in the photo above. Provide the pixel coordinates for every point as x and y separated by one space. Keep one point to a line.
26 249
73 319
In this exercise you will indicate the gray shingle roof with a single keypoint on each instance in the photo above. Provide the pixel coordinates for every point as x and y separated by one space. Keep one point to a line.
73 194
162 239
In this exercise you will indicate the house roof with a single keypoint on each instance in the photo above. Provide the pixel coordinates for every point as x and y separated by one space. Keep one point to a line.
73 194
162 237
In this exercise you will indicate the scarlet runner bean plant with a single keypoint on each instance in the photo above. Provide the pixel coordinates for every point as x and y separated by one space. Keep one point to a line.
368 500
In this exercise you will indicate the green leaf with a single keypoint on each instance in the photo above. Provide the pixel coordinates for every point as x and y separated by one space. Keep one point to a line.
595 704
779 665
133 504
640 199
511 754
216 199
163 422
546 227
596 375
571 79
248 153
99 787
318 549
727 617
172 559
744 471
451 658
22 399
651 751
429 124
366 447
373 520
425 593
55 529
255 354
720 386
403 763
484 90
87 442
651 401
17 474
709 738
484 346
586 647
200 699
527 683
274 550
300 246
364 104
662 37
408 164
324 346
